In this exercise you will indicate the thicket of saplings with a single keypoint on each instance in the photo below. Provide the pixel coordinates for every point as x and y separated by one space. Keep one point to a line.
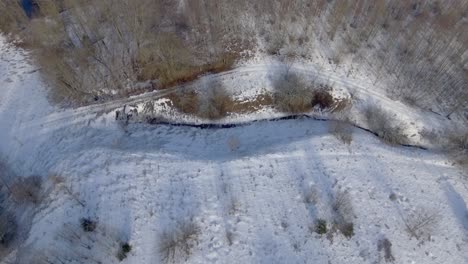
96 50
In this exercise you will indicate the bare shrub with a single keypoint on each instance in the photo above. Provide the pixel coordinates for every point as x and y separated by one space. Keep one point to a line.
311 195
12 16
217 103
88 225
385 245
385 126
343 131
8 229
421 223
275 42
457 138
346 228
342 206
343 213
230 237
124 249
175 246
27 189
321 226
292 94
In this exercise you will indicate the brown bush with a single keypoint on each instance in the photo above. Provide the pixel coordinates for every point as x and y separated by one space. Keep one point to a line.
189 102
292 94
386 246
342 206
343 213
216 104
323 98
12 16
186 101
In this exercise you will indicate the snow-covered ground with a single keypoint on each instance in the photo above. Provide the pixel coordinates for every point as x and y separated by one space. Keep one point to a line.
253 191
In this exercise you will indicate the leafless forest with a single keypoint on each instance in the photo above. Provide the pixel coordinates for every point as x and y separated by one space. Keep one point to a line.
416 49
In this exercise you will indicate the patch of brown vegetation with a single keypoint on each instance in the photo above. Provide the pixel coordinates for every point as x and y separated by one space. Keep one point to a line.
260 101
323 98
218 104
191 73
292 94
186 102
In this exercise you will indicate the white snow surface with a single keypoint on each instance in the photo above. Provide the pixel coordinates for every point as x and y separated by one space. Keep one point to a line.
244 187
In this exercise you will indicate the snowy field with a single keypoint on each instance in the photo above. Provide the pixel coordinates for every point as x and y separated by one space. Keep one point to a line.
253 192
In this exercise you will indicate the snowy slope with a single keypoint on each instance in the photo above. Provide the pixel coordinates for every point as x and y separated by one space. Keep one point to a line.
22 101
246 188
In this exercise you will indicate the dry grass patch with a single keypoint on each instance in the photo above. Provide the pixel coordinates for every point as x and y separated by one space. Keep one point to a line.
186 101
250 106
216 103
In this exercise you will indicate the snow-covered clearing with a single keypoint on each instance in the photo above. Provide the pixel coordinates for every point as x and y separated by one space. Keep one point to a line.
254 191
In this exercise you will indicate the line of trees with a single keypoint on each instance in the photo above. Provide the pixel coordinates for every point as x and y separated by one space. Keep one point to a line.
417 49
